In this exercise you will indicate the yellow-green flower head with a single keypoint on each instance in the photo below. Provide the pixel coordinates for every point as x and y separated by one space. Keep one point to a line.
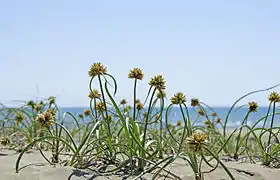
38 107
161 95
51 100
5 141
214 114
81 116
97 69
219 120
19 118
139 106
52 111
207 122
179 123
31 104
94 94
158 82
44 119
48 116
274 97
253 106
86 112
178 98
196 141
123 102
100 107
194 102
136 73
201 112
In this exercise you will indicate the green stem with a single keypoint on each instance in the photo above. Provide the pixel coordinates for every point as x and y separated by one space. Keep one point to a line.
145 131
184 131
134 101
239 134
271 124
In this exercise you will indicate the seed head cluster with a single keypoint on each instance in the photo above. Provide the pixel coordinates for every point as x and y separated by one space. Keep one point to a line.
194 102
86 112
195 142
44 119
274 97
19 118
94 94
136 73
253 106
158 82
178 98
97 69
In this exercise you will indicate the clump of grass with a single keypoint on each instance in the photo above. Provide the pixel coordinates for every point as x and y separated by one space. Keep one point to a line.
139 138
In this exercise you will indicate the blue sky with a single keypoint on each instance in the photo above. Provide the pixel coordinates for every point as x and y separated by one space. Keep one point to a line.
214 50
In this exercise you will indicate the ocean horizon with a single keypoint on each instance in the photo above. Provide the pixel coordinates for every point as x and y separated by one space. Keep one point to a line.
236 117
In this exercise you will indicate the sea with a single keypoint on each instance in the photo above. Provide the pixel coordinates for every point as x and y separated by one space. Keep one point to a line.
234 120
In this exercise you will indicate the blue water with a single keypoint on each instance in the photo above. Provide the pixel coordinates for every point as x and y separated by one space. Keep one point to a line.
235 118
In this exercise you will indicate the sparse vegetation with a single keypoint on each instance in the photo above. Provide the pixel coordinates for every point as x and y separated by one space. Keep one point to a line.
140 139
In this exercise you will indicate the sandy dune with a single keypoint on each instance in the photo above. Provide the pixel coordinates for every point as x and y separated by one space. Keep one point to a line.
35 168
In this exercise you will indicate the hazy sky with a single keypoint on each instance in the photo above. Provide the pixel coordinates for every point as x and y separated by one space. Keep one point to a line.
215 50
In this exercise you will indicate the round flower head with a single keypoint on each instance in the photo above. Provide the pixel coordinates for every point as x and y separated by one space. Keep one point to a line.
161 95
178 98
136 73
51 111
201 112
86 112
94 94
51 100
158 82
274 97
48 116
139 106
97 69
196 141
100 107
194 102
81 116
44 119
5 141
31 104
214 114
19 118
179 123
123 102
253 106
219 120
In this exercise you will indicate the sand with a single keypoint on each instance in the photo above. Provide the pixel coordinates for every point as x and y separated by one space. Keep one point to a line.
33 167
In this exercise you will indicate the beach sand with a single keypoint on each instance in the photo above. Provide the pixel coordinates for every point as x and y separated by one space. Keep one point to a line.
33 167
